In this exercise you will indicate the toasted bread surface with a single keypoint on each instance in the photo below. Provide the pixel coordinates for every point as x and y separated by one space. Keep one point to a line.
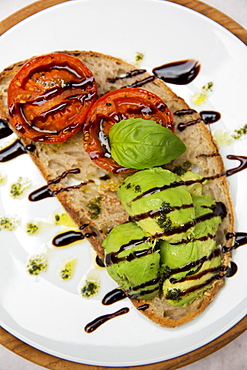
54 159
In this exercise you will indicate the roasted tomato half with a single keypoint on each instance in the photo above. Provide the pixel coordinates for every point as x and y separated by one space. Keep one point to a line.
50 96
116 106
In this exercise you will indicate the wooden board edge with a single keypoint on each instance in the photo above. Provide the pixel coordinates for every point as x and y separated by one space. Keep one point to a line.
26 12
216 15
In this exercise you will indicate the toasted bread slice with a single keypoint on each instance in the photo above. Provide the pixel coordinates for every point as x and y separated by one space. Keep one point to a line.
99 185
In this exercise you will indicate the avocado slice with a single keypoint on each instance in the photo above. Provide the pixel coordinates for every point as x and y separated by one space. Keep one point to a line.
194 182
132 261
160 203
183 291
188 266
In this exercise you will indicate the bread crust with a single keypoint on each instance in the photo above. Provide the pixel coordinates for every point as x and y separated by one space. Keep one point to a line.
54 159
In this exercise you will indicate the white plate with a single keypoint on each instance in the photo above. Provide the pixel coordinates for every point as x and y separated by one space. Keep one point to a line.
48 313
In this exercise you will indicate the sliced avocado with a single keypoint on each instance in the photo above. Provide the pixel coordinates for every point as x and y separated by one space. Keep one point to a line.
160 203
182 291
206 227
187 257
132 261
173 256
196 187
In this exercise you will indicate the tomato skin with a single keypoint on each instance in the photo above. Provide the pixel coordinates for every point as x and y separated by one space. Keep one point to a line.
50 96
113 107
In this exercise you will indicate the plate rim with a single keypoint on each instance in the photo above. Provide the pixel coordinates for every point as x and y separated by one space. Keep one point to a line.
41 358
196 5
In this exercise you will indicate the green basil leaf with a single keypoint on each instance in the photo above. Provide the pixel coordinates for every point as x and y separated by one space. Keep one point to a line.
139 144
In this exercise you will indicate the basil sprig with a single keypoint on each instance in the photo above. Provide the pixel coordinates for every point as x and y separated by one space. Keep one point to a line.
139 144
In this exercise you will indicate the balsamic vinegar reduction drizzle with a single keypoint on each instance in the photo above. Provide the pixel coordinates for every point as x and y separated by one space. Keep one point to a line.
231 270
12 151
179 73
93 325
182 126
30 148
140 83
133 73
5 130
147 284
242 166
209 117
68 237
196 287
45 192
63 175
113 296
82 227
41 193
215 253
112 258
143 307
228 272
155 213
183 112
99 261
240 239
196 276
